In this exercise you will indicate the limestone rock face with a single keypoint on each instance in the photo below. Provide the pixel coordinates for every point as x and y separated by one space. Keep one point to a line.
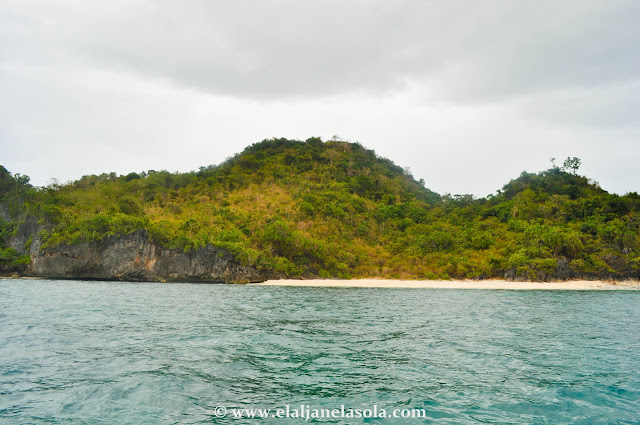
134 257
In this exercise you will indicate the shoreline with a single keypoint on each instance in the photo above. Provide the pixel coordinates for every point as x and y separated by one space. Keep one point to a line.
490 284
571 285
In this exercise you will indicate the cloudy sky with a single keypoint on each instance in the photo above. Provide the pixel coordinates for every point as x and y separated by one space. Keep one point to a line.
466 93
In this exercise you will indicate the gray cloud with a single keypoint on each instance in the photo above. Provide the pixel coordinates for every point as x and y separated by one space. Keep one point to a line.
272 49
607 107
466 93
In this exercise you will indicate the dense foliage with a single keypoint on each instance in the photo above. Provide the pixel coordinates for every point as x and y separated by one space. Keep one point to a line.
337 209
14 191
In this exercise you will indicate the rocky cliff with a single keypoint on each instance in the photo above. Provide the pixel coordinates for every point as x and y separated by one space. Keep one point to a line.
131 257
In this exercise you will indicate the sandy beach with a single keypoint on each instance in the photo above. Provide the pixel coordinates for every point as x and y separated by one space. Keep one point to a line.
573 285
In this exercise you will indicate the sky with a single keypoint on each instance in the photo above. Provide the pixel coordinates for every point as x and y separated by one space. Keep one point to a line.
467 94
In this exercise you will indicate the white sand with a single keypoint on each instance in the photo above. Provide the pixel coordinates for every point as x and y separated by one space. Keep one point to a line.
459 284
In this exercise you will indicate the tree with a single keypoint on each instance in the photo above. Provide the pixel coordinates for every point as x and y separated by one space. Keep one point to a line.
572 163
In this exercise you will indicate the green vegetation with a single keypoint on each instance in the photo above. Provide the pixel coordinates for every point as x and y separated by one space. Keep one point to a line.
337 209
14 192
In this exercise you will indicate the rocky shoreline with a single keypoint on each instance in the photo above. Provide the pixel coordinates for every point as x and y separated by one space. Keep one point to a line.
132 257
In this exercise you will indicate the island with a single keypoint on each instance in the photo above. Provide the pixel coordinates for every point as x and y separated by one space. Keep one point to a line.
291 209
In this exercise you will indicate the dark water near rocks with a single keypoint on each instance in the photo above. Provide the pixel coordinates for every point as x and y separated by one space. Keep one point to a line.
140 353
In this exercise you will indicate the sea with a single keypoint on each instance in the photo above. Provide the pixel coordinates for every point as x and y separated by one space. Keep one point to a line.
92 352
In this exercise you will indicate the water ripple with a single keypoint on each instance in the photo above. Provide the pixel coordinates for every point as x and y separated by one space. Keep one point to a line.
105 353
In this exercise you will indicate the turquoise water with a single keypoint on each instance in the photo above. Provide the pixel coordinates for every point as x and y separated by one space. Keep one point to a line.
141 353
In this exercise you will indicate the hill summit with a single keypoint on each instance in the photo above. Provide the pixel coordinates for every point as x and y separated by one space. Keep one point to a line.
289 208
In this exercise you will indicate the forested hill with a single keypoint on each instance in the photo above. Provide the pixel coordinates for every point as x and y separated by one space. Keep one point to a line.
335 209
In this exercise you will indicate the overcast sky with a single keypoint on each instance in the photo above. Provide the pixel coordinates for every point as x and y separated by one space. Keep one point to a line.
468 94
